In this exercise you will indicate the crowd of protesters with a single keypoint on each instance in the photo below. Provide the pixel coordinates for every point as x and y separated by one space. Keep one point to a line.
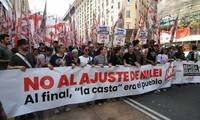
59 55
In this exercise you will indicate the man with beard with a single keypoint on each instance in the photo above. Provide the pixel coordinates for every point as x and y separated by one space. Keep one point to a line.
5 53
23 60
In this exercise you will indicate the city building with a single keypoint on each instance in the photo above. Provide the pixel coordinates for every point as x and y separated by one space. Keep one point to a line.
189 15
108 11
133 10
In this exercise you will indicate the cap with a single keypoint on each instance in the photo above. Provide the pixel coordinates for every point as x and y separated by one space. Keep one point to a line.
22 42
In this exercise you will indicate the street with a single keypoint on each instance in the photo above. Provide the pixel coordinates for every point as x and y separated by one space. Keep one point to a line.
177 103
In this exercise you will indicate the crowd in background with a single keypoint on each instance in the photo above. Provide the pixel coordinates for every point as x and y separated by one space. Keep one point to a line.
59 55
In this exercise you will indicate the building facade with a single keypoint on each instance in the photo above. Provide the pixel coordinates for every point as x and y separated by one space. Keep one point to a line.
108 11
133 10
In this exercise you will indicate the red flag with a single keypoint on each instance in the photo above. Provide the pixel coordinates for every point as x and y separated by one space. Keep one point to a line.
86 32
71 32
141 23
173 30
3 24
37 33
93 34
181 33
43 23
120 21
132 37
14 20
152 13
158 34
141 26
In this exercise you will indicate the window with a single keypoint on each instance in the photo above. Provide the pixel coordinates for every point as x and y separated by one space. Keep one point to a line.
128 25
118 5
106 2
111 18
135 4
128 14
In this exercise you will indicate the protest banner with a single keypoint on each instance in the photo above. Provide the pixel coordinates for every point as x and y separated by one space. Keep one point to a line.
186 72
119 38
103 34
143 37
41 89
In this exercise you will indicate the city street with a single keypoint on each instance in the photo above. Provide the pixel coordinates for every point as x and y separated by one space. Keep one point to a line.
177 103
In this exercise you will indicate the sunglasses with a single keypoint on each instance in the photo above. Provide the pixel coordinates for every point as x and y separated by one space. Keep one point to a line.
86 49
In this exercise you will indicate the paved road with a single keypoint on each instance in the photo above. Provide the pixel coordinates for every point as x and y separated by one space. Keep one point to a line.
177 103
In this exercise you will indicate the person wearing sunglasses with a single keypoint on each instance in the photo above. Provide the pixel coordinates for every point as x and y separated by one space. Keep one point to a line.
85 59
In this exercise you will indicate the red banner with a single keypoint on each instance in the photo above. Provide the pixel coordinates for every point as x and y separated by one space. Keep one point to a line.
181 33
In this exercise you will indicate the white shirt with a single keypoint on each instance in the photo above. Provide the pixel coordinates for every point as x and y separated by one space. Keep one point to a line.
162 58
84 60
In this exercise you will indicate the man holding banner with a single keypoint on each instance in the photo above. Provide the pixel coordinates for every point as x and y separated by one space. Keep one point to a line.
22 60
150 53
130 58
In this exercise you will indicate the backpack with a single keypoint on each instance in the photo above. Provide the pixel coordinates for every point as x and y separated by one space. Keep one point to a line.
190 55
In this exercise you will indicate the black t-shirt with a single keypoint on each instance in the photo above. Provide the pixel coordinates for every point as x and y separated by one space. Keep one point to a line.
180 55
5 54
130 58
17 61
138 56
76 62
57 61
151 55
116 60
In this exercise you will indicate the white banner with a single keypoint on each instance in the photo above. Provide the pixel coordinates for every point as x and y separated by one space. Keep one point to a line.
103 34
186 72
40 88
119 38
143 37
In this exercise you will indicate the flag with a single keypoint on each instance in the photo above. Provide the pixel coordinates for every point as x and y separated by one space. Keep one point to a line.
61 34
157 37
37 32
132 36
141 26
93 34
173 30
120 21
3 24
86 32
152 13
71 31
43 22
14 20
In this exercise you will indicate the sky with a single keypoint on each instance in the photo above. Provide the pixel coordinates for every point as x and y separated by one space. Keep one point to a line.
54 7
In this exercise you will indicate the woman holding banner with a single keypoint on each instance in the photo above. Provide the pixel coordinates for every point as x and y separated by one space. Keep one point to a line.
116 58
61 60
100 60
85 59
